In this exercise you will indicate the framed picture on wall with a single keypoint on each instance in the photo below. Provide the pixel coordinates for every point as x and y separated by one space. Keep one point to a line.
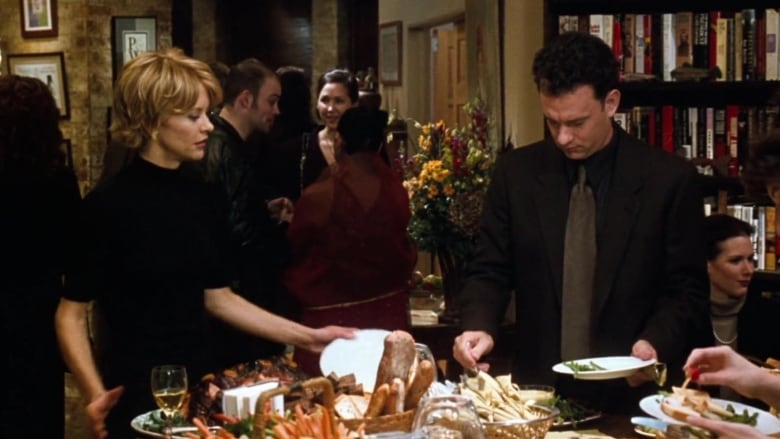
39 18
130 37
49 68
390 51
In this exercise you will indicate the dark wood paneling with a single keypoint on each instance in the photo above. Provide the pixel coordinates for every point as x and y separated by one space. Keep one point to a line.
277 32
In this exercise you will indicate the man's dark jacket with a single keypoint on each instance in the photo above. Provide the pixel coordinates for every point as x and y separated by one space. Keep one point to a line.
258 244
651 280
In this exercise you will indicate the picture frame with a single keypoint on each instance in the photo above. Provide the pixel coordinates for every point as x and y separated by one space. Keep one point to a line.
130 37
390 51
39 18
49 68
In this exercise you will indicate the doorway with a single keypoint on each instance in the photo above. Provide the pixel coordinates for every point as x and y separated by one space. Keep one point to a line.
449 79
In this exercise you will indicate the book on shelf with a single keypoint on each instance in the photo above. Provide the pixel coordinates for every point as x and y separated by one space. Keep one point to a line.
770 260
772 63
742 43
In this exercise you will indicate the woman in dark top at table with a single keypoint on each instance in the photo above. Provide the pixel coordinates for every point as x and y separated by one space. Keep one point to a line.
39 199
351 255
153 250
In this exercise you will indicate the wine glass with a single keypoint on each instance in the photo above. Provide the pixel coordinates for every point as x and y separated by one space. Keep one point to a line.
448 417
169 388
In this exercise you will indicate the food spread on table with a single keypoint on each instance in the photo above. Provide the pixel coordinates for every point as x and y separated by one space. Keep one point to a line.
496 399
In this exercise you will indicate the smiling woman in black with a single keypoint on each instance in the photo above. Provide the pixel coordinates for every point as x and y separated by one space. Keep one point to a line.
153 254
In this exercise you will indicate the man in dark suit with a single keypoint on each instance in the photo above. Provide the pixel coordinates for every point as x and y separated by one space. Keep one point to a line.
646 293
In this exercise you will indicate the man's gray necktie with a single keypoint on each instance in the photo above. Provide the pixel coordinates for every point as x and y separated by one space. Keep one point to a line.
579 266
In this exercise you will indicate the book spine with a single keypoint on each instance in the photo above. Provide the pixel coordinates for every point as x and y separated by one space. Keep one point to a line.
629 43
771 238
648 20
743 135
669 49
709 140
693 138
749 44
772 59
732 130
721 141
596 25
721 58
701 132
607 29
621 119
760 223
701 52
617 41
713 38
639 53
760 46
683 23
739 23
667 128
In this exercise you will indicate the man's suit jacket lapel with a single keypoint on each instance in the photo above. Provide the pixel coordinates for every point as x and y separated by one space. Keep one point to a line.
620 216
551 200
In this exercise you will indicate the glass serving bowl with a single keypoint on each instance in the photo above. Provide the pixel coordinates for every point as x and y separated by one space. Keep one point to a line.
523 428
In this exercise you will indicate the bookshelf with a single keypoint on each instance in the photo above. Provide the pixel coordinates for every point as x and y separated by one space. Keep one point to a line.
710 121
702 120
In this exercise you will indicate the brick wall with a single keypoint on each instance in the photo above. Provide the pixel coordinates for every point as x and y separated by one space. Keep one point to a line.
84 37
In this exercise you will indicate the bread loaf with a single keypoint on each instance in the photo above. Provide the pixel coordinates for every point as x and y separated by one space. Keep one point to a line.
395 399
398 358
422 380
377 403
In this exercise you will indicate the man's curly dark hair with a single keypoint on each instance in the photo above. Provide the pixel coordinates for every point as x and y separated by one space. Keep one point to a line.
762 165
574 59
30 136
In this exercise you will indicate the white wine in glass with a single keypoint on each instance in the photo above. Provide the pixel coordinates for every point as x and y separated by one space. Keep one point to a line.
169 388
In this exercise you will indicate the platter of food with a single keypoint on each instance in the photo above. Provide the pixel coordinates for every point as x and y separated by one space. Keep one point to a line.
572 414
151 424
602 368
360 356
675 408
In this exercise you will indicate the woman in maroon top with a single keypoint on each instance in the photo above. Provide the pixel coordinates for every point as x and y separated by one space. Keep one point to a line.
351 255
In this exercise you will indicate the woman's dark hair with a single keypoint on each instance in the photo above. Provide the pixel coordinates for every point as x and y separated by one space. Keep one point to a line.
30 136
574 59
762 165
341 76
295 112
363 129
718 228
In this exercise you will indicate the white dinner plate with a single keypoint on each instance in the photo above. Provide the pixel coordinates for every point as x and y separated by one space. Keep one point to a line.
614 367
360 355
766 422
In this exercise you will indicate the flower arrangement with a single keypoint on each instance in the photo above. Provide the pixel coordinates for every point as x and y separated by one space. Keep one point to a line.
447 178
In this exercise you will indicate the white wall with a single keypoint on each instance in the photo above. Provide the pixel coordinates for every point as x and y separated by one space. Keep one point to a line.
523 36
410 98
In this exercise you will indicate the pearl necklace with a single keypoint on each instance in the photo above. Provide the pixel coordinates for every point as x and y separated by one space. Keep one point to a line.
725 342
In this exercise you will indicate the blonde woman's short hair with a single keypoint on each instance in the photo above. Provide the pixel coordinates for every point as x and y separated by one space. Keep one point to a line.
155 86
